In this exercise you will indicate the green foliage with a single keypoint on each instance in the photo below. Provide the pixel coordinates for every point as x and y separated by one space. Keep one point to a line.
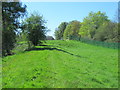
11 12
8 37
20 47
107 32
72 29
91 24
96 26
57 34
35 28
60 31
22 36
62 64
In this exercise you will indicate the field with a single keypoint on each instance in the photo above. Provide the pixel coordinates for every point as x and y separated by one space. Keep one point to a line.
62 64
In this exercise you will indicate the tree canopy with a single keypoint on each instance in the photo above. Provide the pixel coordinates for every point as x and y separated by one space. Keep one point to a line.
35 28
91 23
60 30
11 13
107 32
72 29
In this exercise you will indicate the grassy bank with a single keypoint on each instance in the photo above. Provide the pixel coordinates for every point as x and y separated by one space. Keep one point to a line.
62 64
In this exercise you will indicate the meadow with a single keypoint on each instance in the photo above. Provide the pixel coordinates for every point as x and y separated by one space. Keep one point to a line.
62 64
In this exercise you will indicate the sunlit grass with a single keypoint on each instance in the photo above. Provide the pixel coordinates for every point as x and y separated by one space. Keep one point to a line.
62 64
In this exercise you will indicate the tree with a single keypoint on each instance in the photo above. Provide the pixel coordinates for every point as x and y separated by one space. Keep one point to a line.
35 28
60 30
11 12
91 24
72 29
57 36
108 31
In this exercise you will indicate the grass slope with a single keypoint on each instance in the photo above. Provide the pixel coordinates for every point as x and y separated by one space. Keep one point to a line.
62 64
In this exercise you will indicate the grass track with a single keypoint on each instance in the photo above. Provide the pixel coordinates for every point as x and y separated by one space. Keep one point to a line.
62 64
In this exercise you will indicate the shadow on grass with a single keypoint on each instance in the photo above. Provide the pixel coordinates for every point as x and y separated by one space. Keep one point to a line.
50 48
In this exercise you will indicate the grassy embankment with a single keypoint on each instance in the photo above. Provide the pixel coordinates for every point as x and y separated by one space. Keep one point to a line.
62 64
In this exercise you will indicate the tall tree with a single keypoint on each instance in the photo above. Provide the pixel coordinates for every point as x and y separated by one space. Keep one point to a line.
35 28
72 29
11 13
91 23
108 31
60 30
57 34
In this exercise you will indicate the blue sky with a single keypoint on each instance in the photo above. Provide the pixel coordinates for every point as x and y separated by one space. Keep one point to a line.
56 12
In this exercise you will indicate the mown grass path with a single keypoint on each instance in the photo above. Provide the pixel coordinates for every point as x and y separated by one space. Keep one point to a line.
62 64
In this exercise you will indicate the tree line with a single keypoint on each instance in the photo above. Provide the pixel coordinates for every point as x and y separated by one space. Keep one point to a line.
17 26
14 28
96 26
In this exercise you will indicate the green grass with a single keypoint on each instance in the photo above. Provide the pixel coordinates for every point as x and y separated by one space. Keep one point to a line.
62 64
0 73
